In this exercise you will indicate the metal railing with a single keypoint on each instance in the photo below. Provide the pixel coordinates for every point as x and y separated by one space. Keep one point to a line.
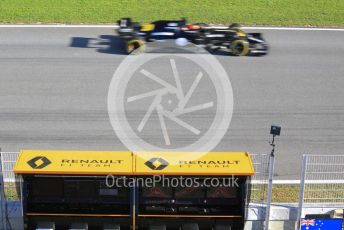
259 182
322 182
8 160
9 188
258 190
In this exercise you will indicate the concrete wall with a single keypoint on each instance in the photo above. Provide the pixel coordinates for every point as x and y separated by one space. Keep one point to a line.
274 225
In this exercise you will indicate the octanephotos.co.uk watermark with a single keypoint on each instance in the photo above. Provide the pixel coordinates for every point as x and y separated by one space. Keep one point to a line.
172 182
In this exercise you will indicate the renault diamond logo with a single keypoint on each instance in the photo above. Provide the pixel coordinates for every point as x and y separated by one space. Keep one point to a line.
157 163
39 162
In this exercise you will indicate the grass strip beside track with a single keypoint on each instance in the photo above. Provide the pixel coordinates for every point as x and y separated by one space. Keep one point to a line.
246 12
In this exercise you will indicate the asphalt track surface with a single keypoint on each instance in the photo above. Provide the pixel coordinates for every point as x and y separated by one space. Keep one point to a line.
54 84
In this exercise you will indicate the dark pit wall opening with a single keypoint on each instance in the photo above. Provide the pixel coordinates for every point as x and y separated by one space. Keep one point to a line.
63 201
203 204
71 194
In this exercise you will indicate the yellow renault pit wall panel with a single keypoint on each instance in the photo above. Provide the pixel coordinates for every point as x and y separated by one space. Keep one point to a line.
193 163
74 162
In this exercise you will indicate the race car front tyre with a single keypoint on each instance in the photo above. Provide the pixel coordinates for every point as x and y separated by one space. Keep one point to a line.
135 47
239 47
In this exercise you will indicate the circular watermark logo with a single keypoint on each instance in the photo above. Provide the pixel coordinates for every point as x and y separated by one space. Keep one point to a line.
170 102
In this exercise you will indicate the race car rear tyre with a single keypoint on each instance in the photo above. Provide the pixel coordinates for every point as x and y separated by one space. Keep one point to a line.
240 47
135 47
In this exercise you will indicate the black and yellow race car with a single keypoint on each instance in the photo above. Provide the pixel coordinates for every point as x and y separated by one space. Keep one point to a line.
230 38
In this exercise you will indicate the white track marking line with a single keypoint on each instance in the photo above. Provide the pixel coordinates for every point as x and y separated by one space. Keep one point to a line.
56 26
293 28
115 26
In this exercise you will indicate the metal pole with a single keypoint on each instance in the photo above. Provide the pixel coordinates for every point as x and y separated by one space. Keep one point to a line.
269 197
302 189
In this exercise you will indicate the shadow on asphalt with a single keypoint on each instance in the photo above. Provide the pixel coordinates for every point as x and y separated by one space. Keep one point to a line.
108 44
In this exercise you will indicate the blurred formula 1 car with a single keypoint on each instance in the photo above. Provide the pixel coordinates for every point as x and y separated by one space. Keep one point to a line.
231 38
